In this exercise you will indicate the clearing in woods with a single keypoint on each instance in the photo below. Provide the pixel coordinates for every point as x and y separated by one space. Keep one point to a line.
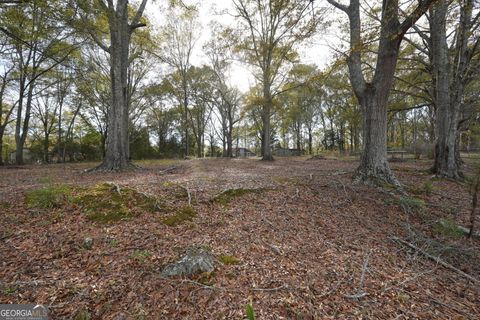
294 237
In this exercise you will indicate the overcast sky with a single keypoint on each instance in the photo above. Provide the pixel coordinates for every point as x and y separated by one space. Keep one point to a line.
314 51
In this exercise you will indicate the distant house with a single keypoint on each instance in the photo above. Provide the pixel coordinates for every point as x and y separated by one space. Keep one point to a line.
27 156
242 153
284 152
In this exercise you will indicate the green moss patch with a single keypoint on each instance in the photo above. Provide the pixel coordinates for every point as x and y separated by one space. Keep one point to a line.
52 196
229 260
106 203
448 228
181 216
226 196
412 205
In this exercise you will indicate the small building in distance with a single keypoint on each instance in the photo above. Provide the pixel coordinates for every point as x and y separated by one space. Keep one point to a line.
28 156
284 152
242 153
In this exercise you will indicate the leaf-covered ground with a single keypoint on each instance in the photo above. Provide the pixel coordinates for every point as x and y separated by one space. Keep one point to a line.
294 237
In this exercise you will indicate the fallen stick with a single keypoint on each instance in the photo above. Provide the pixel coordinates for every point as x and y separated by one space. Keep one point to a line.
168 170
436 259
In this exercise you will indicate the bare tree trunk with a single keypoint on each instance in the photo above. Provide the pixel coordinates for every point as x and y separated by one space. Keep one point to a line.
445 164
266 113
449 80
21 129
373 96
117 156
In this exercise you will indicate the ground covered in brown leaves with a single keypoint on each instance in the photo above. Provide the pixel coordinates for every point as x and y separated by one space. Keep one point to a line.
296 238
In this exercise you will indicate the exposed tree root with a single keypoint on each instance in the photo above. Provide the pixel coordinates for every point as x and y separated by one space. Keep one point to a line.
376 177
108 167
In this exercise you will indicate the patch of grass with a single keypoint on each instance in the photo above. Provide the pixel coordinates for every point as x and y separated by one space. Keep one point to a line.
46 180
106 203
182 215
447 228
9 290
5 205
412 205
140 255
226 196
51 196
428 187
229 260
83 315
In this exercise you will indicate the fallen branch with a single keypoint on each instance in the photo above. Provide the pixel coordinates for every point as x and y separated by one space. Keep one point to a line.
361 293
204 286
436 259
168 170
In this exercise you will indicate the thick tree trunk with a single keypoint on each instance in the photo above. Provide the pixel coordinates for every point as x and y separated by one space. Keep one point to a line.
374 167
445 124
449 86
117 156
229 144
373 97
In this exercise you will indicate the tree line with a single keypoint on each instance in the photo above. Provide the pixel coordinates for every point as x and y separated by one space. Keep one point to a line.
96 79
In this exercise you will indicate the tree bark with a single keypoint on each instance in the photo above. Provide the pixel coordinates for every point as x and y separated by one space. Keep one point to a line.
373 96
117 155
449 84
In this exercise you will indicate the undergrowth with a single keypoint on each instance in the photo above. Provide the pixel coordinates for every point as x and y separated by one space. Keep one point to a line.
226 196
181 216
106 203
50 196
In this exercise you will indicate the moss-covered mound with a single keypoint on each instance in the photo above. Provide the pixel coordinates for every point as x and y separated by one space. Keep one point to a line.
108 203
226 196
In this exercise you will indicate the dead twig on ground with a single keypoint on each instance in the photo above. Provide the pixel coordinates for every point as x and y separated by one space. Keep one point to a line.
168 170
436 259
361 293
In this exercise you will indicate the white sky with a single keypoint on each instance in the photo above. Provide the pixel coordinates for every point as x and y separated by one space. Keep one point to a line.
314 51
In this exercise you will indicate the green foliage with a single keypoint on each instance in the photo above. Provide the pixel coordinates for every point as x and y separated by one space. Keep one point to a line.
9 290
250 311
428 187
106 203
412 205
229 260
140 255
226 196
182 215
448 228
51 196
83 315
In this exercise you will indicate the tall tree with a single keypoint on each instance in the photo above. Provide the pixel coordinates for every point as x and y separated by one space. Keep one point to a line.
121 25
179 37
40 43
373 95
271 31
452 71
